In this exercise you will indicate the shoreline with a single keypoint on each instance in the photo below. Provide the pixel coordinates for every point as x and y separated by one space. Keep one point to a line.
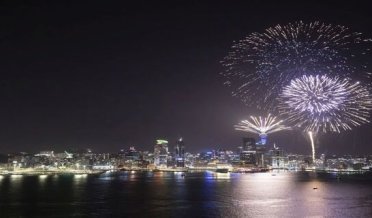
97 172
31 173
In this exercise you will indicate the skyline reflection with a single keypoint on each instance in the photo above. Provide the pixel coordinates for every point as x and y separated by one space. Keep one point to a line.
207 194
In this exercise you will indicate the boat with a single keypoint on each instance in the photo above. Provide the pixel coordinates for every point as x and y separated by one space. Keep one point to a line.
222 170
252 170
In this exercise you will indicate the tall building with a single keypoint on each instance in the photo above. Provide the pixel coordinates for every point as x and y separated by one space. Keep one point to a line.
132 154
253 153
179 153
279 161
261 155
249 144
263 139
248 153
161 153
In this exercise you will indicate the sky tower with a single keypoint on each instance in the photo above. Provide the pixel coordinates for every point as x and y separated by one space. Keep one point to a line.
261 126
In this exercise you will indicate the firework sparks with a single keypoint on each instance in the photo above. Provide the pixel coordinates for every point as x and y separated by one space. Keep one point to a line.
320 103
261 126
261 64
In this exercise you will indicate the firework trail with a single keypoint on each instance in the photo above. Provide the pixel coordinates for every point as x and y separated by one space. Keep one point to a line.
312 145
258 66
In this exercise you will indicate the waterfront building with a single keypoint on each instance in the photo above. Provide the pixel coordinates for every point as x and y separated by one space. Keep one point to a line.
279 160
222 156
248 154
161 153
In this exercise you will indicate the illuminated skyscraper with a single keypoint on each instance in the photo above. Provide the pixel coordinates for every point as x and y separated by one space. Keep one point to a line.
253 153
278 159
261 155
249 144
179 153
248 154
161 153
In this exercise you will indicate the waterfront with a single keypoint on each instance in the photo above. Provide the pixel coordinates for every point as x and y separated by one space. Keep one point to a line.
199 194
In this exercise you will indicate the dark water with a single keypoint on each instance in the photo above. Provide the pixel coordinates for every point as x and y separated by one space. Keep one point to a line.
202 194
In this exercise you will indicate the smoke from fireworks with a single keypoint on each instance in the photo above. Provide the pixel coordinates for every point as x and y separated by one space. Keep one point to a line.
262 63
261 126
320 103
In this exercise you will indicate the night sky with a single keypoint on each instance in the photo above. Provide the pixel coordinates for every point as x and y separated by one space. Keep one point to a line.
108 76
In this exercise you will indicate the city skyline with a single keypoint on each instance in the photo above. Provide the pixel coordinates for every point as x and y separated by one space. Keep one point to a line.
190 108
75 77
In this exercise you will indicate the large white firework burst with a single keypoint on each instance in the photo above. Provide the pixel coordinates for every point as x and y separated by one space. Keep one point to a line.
258 66
325 104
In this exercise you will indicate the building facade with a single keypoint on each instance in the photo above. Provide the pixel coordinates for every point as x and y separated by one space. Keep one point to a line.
161 153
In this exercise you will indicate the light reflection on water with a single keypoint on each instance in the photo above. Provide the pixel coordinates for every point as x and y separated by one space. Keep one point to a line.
43 177
199 194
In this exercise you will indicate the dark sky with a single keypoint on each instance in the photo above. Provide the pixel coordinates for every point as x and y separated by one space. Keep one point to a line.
113 75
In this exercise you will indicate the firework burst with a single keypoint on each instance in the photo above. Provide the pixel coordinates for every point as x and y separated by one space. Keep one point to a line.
261 126
261 64
325 104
